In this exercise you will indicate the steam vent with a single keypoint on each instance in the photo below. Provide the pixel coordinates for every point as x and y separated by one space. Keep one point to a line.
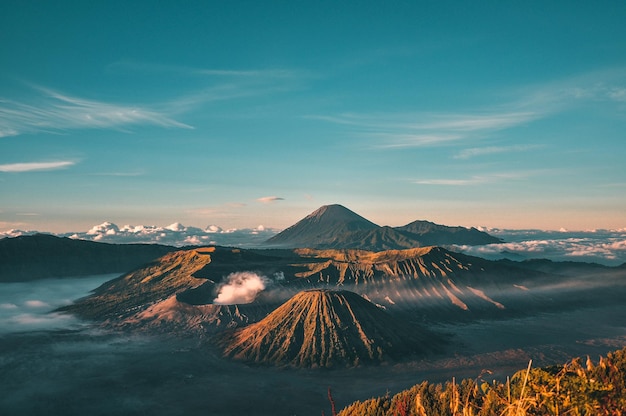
327 328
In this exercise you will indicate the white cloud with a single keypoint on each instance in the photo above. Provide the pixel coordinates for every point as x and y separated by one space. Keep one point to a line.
270 199
12 232
240 288
175 234
107 228
175 227
34 166
213 229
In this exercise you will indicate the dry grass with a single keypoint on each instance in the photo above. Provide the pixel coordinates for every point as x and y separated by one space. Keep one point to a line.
572 389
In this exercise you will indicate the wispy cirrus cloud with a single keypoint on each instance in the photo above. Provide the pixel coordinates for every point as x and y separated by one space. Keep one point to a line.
595 87
220 84
54 112
476 179
490 150
394 131
510 109
258 73
36 166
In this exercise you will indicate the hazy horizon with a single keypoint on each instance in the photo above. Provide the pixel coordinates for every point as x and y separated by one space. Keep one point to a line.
606 247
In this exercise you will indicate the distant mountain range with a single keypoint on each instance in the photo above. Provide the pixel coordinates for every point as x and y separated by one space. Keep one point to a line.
335 226
30 257
602 246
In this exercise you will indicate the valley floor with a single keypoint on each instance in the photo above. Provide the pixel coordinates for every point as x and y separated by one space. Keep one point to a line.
87 371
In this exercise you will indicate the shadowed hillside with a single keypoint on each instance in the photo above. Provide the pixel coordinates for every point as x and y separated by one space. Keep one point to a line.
42 256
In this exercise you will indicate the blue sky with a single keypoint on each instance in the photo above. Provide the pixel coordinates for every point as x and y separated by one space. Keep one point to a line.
497 114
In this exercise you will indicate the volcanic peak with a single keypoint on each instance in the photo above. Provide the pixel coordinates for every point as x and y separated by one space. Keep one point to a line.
335 226
340 214
325 328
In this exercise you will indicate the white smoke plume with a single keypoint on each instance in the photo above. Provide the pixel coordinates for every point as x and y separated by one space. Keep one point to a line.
240 287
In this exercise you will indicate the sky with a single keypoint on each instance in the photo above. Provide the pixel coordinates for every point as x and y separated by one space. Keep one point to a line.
500 114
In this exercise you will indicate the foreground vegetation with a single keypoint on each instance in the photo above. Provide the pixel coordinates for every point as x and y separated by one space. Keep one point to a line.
575 388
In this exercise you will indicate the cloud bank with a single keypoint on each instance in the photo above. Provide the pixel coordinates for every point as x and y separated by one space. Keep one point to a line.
177 234
601 246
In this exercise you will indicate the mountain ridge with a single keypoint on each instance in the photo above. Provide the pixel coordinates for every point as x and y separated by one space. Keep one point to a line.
430 279
335 226
39 256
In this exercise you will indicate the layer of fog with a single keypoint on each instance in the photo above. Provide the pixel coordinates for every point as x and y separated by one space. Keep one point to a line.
99 373
497 296
601 246
29 306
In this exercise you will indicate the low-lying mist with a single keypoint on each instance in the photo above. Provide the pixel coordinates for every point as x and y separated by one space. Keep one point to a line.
96 372
29 306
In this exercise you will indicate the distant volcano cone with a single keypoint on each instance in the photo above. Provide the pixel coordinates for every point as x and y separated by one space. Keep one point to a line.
325 225
324 328
335 226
